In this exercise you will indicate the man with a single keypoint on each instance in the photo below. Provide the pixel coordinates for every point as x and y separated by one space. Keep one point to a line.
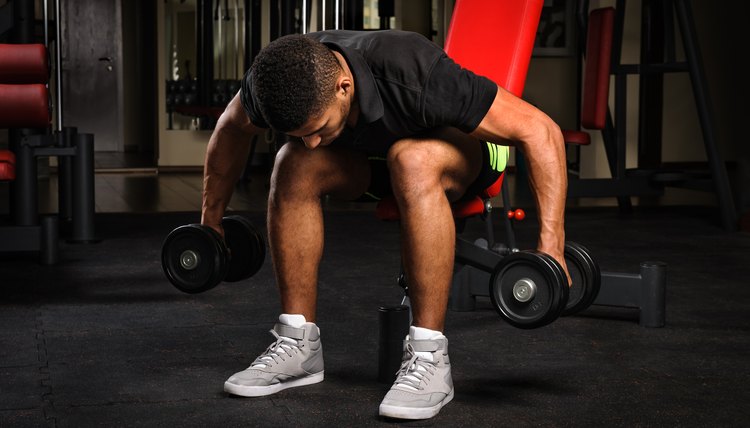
344 98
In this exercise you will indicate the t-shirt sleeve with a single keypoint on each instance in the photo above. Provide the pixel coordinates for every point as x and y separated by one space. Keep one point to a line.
455 96
246 97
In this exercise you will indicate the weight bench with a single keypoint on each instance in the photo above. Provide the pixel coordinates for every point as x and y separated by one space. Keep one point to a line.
495 38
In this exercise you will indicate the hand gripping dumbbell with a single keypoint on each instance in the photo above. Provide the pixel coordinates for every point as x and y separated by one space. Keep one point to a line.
195 258
529 288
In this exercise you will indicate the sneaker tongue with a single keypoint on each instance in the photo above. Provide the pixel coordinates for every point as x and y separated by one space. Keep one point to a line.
292 320
421 333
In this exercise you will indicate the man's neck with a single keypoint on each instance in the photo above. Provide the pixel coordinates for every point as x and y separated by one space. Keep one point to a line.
351 119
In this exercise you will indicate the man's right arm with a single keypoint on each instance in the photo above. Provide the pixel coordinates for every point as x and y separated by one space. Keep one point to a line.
226 156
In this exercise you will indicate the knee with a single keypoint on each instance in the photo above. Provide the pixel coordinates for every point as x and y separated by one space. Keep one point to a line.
413 169
287 156
292 173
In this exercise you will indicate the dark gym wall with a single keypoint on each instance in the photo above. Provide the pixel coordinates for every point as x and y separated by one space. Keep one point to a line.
139 75
722 34
416 16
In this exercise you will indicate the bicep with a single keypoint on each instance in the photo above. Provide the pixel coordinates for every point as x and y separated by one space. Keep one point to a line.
235 119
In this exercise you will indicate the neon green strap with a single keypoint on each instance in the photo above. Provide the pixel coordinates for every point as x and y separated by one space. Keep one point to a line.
498 156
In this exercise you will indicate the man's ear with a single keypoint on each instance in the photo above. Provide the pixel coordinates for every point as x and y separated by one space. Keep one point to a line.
344 85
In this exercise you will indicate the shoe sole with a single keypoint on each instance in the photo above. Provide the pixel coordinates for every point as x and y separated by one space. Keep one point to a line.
259 391
397 412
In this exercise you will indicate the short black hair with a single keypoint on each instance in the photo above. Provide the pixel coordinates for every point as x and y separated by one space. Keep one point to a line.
293 79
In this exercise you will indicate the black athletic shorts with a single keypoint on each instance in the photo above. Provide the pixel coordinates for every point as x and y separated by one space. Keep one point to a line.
494 160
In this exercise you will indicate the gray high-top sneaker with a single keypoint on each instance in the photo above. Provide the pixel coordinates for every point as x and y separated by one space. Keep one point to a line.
423 384
294 359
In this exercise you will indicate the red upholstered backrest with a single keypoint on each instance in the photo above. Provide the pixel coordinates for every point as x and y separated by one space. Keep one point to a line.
24 63
598 63
495 38
24 106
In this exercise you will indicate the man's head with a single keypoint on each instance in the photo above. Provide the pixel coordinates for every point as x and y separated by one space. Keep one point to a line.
294 79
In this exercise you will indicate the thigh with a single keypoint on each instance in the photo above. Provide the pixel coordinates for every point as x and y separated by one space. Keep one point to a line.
337 171
446 157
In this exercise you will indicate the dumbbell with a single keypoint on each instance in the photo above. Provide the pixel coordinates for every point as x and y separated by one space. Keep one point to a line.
195 258
585 276
529 289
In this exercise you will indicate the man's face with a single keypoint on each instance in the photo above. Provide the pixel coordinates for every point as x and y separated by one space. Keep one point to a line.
322 129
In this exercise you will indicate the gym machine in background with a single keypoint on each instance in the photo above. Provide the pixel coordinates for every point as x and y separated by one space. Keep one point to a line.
26 110
211 43
604 34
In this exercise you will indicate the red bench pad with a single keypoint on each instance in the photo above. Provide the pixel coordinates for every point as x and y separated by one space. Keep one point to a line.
576 137
24 106
24 63
7 165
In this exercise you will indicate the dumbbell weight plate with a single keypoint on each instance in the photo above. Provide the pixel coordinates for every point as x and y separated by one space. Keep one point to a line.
562 289
246 248
528 289
585 276
194 258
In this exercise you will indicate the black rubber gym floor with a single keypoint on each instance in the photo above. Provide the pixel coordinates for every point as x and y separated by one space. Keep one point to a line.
102 339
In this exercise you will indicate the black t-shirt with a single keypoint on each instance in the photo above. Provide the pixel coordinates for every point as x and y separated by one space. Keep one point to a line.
404 83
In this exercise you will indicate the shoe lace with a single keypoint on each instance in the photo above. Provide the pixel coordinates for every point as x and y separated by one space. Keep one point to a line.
414 371
279 350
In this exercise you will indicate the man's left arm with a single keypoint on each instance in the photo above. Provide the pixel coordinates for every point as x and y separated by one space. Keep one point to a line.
512 120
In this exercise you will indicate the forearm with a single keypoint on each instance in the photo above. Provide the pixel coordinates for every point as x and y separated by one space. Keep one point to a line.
540 140
545 157
226 156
